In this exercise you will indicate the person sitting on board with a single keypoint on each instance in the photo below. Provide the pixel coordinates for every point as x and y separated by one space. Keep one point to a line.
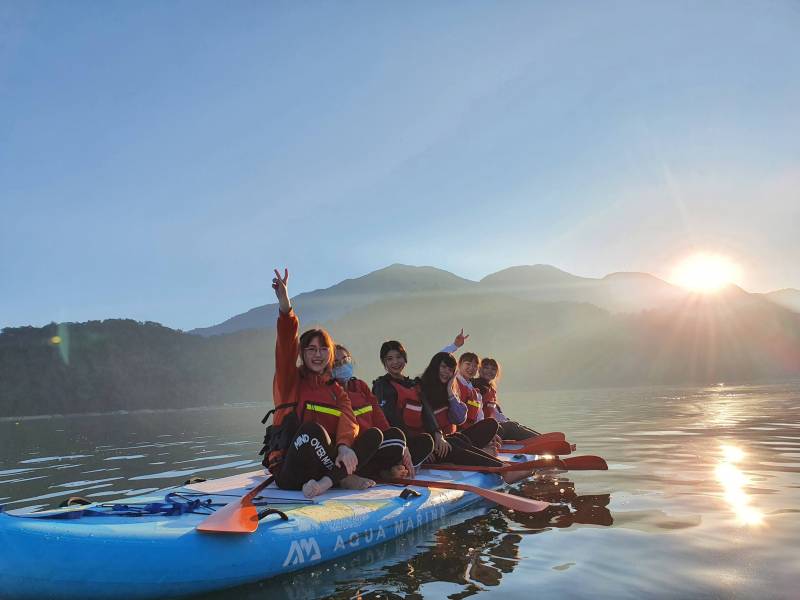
314 442
396 456
486 384
394 387
400 398
438 391
471 396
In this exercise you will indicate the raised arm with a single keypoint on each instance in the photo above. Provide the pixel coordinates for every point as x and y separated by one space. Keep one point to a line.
457 342
287 342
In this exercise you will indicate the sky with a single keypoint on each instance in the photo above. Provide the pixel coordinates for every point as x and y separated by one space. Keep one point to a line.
159 159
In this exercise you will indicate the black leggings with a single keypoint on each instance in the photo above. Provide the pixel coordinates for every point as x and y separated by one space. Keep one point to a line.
312 455
511 430
390 452
482 432
466 446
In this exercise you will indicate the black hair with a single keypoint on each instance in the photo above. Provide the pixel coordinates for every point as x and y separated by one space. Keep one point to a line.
387 347
433 389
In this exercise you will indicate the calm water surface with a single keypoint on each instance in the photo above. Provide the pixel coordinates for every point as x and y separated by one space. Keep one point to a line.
701 499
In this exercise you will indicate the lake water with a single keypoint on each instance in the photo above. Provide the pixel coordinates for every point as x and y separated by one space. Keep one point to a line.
701 499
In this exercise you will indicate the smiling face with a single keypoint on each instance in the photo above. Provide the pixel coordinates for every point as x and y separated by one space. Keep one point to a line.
468 368
488 372
394 363
316 355
445 372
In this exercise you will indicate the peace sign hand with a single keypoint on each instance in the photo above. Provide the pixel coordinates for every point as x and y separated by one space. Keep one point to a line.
460 339
279 284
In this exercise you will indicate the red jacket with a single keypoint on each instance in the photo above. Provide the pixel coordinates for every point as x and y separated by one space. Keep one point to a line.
469 396
365 405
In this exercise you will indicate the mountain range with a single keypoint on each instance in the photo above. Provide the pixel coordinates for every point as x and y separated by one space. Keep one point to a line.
548 329
625 292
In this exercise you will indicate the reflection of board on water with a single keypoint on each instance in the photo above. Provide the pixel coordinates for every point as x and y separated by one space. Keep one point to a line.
475 547
568 508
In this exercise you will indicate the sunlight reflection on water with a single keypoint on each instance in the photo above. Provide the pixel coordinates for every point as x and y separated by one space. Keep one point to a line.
734 482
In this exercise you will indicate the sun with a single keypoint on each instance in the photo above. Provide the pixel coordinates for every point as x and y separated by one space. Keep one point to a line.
705 273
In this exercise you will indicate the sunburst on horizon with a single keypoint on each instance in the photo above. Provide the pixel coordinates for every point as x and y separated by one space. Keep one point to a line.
705 272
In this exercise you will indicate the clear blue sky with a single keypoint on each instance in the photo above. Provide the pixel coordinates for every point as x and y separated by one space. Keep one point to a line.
157 159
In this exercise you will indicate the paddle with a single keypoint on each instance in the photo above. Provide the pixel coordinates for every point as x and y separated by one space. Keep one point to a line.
543 447
557 436
239 516
573 463
531 465
585 463
519 503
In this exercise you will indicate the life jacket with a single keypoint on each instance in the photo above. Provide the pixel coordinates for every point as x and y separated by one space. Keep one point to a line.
361 403
470 397
318 405
442 416
489 402
409 406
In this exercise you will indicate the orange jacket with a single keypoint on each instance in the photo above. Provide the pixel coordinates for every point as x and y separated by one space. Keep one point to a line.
292 386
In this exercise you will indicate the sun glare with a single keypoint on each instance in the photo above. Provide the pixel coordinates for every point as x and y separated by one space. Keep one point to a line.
705 273
734 482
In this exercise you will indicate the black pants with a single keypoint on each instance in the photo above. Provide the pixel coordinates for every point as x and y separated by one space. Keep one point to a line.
511 430
466 446
312 455
482 432
390 452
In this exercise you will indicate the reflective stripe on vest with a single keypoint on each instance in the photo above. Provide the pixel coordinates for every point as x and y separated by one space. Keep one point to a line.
325 409
362 410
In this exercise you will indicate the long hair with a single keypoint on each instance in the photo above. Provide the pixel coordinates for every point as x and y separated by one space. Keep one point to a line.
433 389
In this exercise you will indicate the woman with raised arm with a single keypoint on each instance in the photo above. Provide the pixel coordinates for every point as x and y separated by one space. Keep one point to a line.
314 442
396 456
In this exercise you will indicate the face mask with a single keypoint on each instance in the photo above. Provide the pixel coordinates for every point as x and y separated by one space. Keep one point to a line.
343 372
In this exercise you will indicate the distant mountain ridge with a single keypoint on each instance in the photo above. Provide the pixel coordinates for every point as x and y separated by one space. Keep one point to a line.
616 292
788 298
331 303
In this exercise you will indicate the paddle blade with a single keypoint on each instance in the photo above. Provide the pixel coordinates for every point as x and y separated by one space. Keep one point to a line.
537 447
239 516
236 517
585 463
518 503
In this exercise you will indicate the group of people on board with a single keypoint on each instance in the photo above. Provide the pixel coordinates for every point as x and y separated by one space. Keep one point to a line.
331 430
